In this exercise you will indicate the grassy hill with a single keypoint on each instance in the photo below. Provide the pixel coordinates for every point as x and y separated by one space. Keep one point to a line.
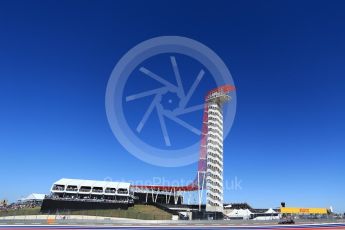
145 212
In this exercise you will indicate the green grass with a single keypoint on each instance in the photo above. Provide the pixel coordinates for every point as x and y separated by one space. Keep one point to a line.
145 212
20 212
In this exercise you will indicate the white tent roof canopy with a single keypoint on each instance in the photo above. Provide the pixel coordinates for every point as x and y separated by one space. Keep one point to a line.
270 210
239 213
92 183
34 196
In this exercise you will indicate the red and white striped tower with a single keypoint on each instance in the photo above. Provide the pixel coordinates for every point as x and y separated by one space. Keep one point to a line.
210 166
214 173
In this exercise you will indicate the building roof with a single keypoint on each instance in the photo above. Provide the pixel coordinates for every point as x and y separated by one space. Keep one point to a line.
92 183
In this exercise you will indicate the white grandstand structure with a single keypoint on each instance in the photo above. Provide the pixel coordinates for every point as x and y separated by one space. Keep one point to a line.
90 189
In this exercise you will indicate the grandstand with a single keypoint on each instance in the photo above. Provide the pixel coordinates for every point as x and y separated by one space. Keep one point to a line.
75 194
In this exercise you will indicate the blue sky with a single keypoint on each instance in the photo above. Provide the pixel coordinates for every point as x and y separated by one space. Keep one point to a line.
286 58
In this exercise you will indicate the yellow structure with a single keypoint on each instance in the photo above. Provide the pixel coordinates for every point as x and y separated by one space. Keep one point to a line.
290 210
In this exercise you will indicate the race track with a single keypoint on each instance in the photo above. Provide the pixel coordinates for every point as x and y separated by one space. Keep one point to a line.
176 226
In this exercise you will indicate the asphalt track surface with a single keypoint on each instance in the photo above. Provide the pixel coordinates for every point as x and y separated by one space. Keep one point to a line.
189 227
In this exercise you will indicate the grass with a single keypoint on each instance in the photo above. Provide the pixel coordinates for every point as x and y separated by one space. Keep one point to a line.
21 212
145 212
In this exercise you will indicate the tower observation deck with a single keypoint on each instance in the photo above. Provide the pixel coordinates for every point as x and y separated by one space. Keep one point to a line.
210 166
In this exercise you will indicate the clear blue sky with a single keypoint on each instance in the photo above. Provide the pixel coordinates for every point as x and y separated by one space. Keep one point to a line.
287 59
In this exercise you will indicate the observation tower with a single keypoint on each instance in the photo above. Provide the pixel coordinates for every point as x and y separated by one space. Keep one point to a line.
210 166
